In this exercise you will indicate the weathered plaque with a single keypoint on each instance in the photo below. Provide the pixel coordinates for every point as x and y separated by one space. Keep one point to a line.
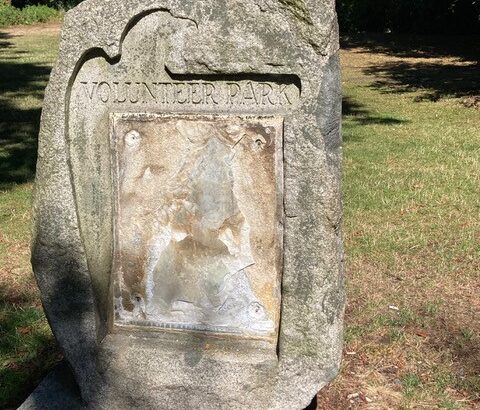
198 222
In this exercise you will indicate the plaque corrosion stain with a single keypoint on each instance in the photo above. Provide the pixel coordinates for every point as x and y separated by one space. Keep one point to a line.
198 222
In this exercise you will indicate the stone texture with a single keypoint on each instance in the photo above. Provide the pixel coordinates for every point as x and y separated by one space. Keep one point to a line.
191 78
58 391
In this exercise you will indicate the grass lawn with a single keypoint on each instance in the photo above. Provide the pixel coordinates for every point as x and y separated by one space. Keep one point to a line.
411 133
27 348
412 202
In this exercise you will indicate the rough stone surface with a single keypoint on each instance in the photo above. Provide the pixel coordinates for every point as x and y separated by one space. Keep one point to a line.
187 211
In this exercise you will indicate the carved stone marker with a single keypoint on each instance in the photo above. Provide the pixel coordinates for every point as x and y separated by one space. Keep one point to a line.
187 239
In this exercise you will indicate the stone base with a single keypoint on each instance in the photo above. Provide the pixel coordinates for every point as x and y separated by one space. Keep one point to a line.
57 391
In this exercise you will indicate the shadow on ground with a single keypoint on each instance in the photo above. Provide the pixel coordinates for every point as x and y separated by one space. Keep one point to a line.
436 67
3 40
27 350
356 114
463 48
452 334
361 116
434 81
21 87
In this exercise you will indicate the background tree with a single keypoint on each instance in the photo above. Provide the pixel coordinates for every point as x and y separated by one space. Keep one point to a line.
410 16
57 4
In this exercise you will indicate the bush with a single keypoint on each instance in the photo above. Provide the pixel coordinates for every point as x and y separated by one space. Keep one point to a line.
56 4
10 15
38 14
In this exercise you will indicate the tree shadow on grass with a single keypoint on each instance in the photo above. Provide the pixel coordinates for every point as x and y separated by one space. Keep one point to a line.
30 352
357 114
26 349
21 91
463 48
433 80
4 37
451 334
362 116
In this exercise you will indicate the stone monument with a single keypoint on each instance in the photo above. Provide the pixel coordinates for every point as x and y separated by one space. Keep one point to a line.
187 214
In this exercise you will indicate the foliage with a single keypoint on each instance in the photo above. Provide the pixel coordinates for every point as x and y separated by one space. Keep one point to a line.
55 4
410 16
10 15
38 14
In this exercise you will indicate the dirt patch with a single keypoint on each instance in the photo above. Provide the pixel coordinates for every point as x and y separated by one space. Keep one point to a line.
37 29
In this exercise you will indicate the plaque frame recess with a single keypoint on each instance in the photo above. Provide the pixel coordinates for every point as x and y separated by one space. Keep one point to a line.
150 327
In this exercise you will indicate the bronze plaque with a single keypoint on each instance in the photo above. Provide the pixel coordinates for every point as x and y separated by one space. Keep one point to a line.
198 222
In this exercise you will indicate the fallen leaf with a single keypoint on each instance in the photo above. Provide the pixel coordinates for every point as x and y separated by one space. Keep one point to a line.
23 330
421 333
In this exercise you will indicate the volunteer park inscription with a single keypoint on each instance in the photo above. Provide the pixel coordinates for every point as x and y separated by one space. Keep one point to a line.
243 93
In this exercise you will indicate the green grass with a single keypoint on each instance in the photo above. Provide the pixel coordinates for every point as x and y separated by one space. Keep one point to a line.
27 348
25 63
412 236
26 351
410 383
411 131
